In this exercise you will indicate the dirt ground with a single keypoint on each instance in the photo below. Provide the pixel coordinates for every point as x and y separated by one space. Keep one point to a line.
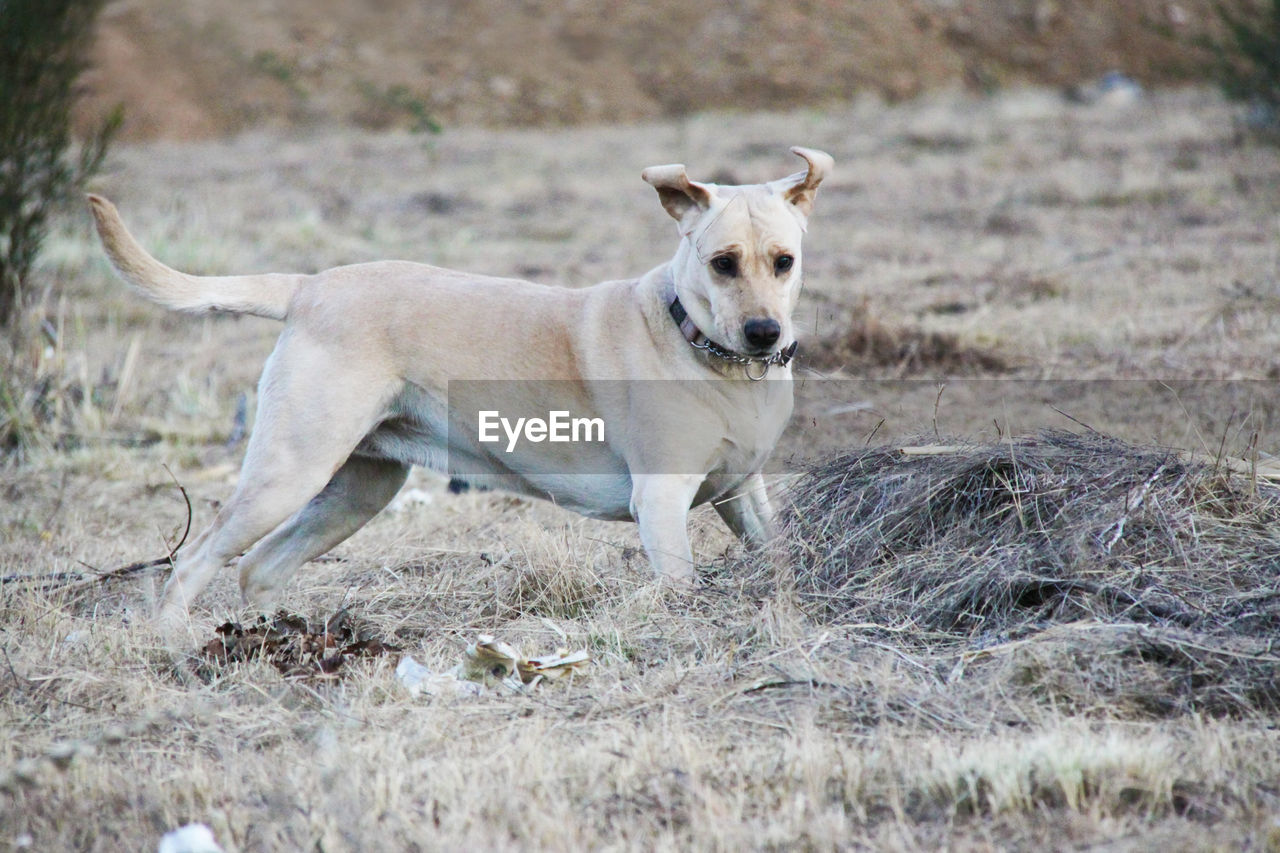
977 266
190 69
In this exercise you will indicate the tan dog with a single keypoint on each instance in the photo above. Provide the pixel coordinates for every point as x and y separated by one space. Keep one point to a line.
357 388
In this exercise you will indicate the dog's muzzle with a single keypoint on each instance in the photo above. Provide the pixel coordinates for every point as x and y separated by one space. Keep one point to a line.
698 340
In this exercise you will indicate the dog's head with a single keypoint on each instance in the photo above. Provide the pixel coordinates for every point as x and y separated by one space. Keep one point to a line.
737 270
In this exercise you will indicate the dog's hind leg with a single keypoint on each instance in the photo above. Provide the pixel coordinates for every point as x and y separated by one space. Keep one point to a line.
313 410
357 492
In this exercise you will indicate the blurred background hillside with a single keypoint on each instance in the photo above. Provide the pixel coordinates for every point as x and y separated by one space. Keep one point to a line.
188 69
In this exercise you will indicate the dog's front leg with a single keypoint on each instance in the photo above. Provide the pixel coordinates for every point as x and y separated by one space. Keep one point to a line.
748 513
660 503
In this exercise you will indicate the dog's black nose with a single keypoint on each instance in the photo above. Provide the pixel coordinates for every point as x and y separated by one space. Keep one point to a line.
761 333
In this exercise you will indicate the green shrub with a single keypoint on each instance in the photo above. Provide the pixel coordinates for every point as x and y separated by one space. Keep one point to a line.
1246 59
42 49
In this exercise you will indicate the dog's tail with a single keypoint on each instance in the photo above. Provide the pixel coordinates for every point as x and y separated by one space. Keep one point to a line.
260 295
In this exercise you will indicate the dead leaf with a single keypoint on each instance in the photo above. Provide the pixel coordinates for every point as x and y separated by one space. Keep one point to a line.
292 645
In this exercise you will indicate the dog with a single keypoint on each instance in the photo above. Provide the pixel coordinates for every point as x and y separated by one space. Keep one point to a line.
356 390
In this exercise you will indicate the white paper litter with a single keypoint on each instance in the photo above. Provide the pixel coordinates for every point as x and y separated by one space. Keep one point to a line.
192 838
420 681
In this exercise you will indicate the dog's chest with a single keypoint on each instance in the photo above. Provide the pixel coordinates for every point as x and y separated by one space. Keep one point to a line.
759 416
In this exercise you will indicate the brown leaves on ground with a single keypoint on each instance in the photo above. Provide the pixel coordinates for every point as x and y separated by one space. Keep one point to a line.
292 645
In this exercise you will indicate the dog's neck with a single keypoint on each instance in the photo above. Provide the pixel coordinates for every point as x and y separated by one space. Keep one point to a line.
684 322
698 340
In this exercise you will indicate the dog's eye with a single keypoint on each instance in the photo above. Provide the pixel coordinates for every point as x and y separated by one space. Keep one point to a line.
725 265
783 263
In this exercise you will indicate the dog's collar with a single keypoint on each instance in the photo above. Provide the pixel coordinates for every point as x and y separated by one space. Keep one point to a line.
698 340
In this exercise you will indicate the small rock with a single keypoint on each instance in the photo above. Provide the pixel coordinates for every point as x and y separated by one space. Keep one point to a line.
1113 89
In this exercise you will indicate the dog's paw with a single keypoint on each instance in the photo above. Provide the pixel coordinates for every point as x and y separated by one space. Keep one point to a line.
680 582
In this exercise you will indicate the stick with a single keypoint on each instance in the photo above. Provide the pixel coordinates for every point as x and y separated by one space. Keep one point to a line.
1133 507
76 579
187 499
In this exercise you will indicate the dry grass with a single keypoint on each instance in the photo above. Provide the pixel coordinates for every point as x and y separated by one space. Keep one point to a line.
1096 574
864 345
1062 526
994 679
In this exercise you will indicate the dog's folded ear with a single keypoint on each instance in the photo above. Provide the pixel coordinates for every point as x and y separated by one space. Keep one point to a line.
800 188
679 195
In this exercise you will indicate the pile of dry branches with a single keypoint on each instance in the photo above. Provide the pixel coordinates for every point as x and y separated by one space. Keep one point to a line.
1093 570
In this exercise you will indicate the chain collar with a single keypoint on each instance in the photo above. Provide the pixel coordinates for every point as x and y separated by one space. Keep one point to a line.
698 340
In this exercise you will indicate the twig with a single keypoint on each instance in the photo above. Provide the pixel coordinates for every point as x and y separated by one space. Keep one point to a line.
1253 464
78 579
936 403
776 684
73 579
1222 443
1075 420
873 432
187 499
1133 507
55 577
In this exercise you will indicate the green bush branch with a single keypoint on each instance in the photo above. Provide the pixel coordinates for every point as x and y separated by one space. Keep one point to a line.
42 49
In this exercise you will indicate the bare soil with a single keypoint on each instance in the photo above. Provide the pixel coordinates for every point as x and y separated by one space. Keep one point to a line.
188 69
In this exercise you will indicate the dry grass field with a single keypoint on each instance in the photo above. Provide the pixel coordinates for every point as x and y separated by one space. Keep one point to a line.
976 268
